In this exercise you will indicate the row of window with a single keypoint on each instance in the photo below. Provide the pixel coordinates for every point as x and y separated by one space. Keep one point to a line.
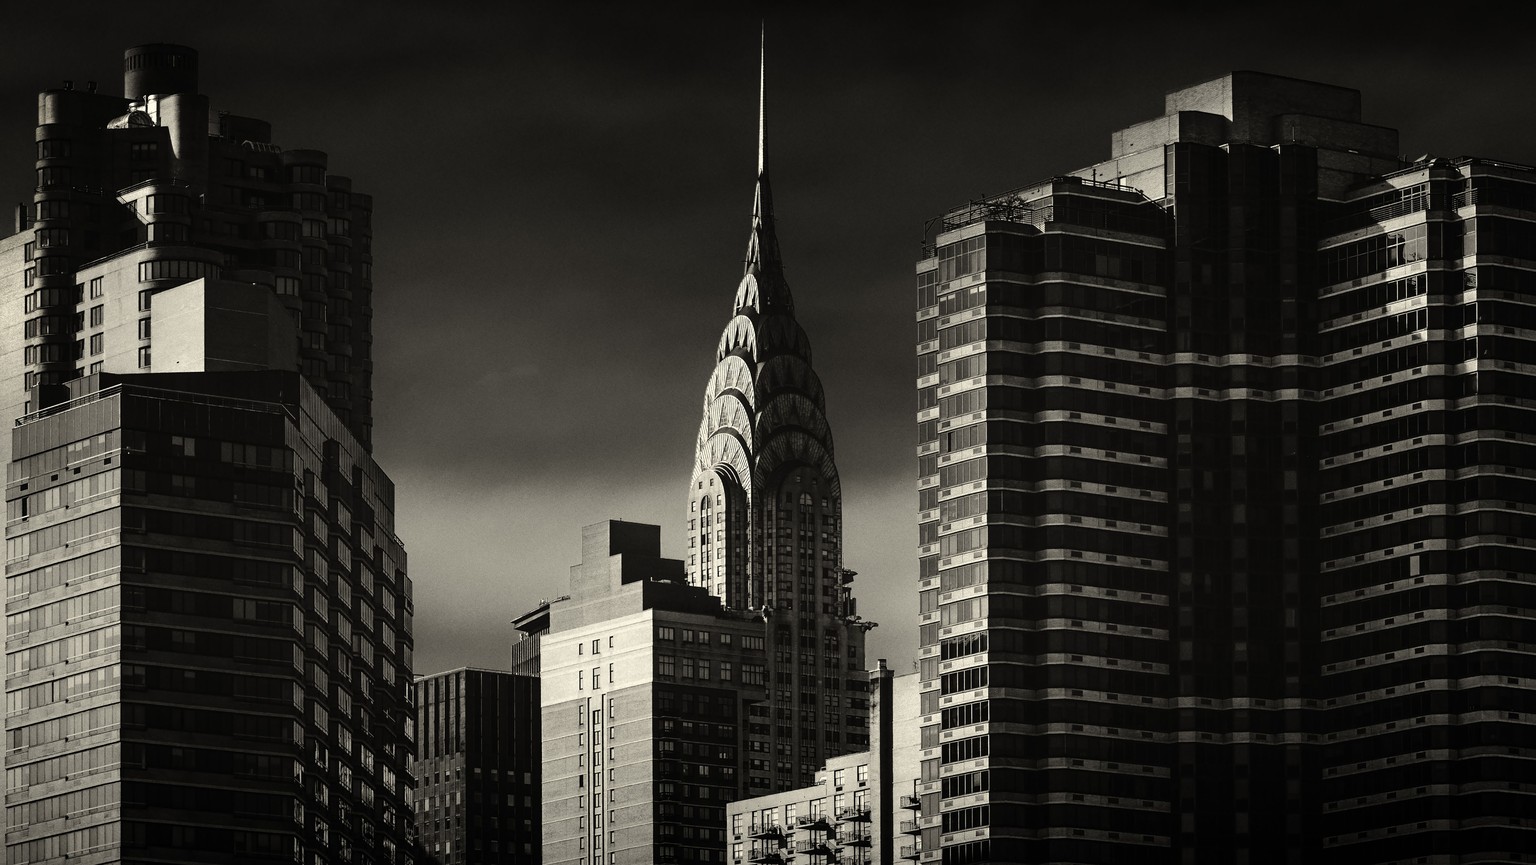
61 690
64 496
76 647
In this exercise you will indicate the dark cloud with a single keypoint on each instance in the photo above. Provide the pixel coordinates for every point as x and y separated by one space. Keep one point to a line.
562 195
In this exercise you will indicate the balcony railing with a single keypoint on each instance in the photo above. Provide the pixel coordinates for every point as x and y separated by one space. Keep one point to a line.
813 846
911 802
766 830
910 827
811 821
855 814
853 838
766 857
911 851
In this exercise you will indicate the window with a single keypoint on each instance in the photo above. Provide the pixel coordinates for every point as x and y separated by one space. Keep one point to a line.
144 298
177 269
664 633
95 287
597 646
96 343
143 328
143 357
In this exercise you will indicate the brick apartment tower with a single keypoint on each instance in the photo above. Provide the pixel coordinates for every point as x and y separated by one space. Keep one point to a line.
1226 499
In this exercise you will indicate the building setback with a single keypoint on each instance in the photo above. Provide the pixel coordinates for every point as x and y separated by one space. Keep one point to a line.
477 767
1226 499
150 190
208 618
765 521
645 688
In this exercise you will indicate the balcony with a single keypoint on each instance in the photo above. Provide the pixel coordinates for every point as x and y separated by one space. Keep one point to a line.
856 814
765 830
819 846
911 803
911 851
910 827
812 821
766 857
853 838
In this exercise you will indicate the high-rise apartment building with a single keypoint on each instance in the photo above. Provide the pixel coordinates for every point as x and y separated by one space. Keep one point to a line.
207 630
477 767
1225 499
208 620
765 521
647 686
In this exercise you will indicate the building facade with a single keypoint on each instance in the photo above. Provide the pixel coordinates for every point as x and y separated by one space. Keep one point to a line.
765 517
646 688
208 618
208 630
1225 499
477 767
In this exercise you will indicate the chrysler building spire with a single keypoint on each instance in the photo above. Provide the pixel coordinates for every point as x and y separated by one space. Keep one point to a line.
765 501
763 266
762 105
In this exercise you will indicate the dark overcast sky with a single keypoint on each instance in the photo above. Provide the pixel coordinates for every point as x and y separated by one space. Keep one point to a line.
562 194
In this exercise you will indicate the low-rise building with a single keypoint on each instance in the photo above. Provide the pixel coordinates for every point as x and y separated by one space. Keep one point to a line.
862 807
